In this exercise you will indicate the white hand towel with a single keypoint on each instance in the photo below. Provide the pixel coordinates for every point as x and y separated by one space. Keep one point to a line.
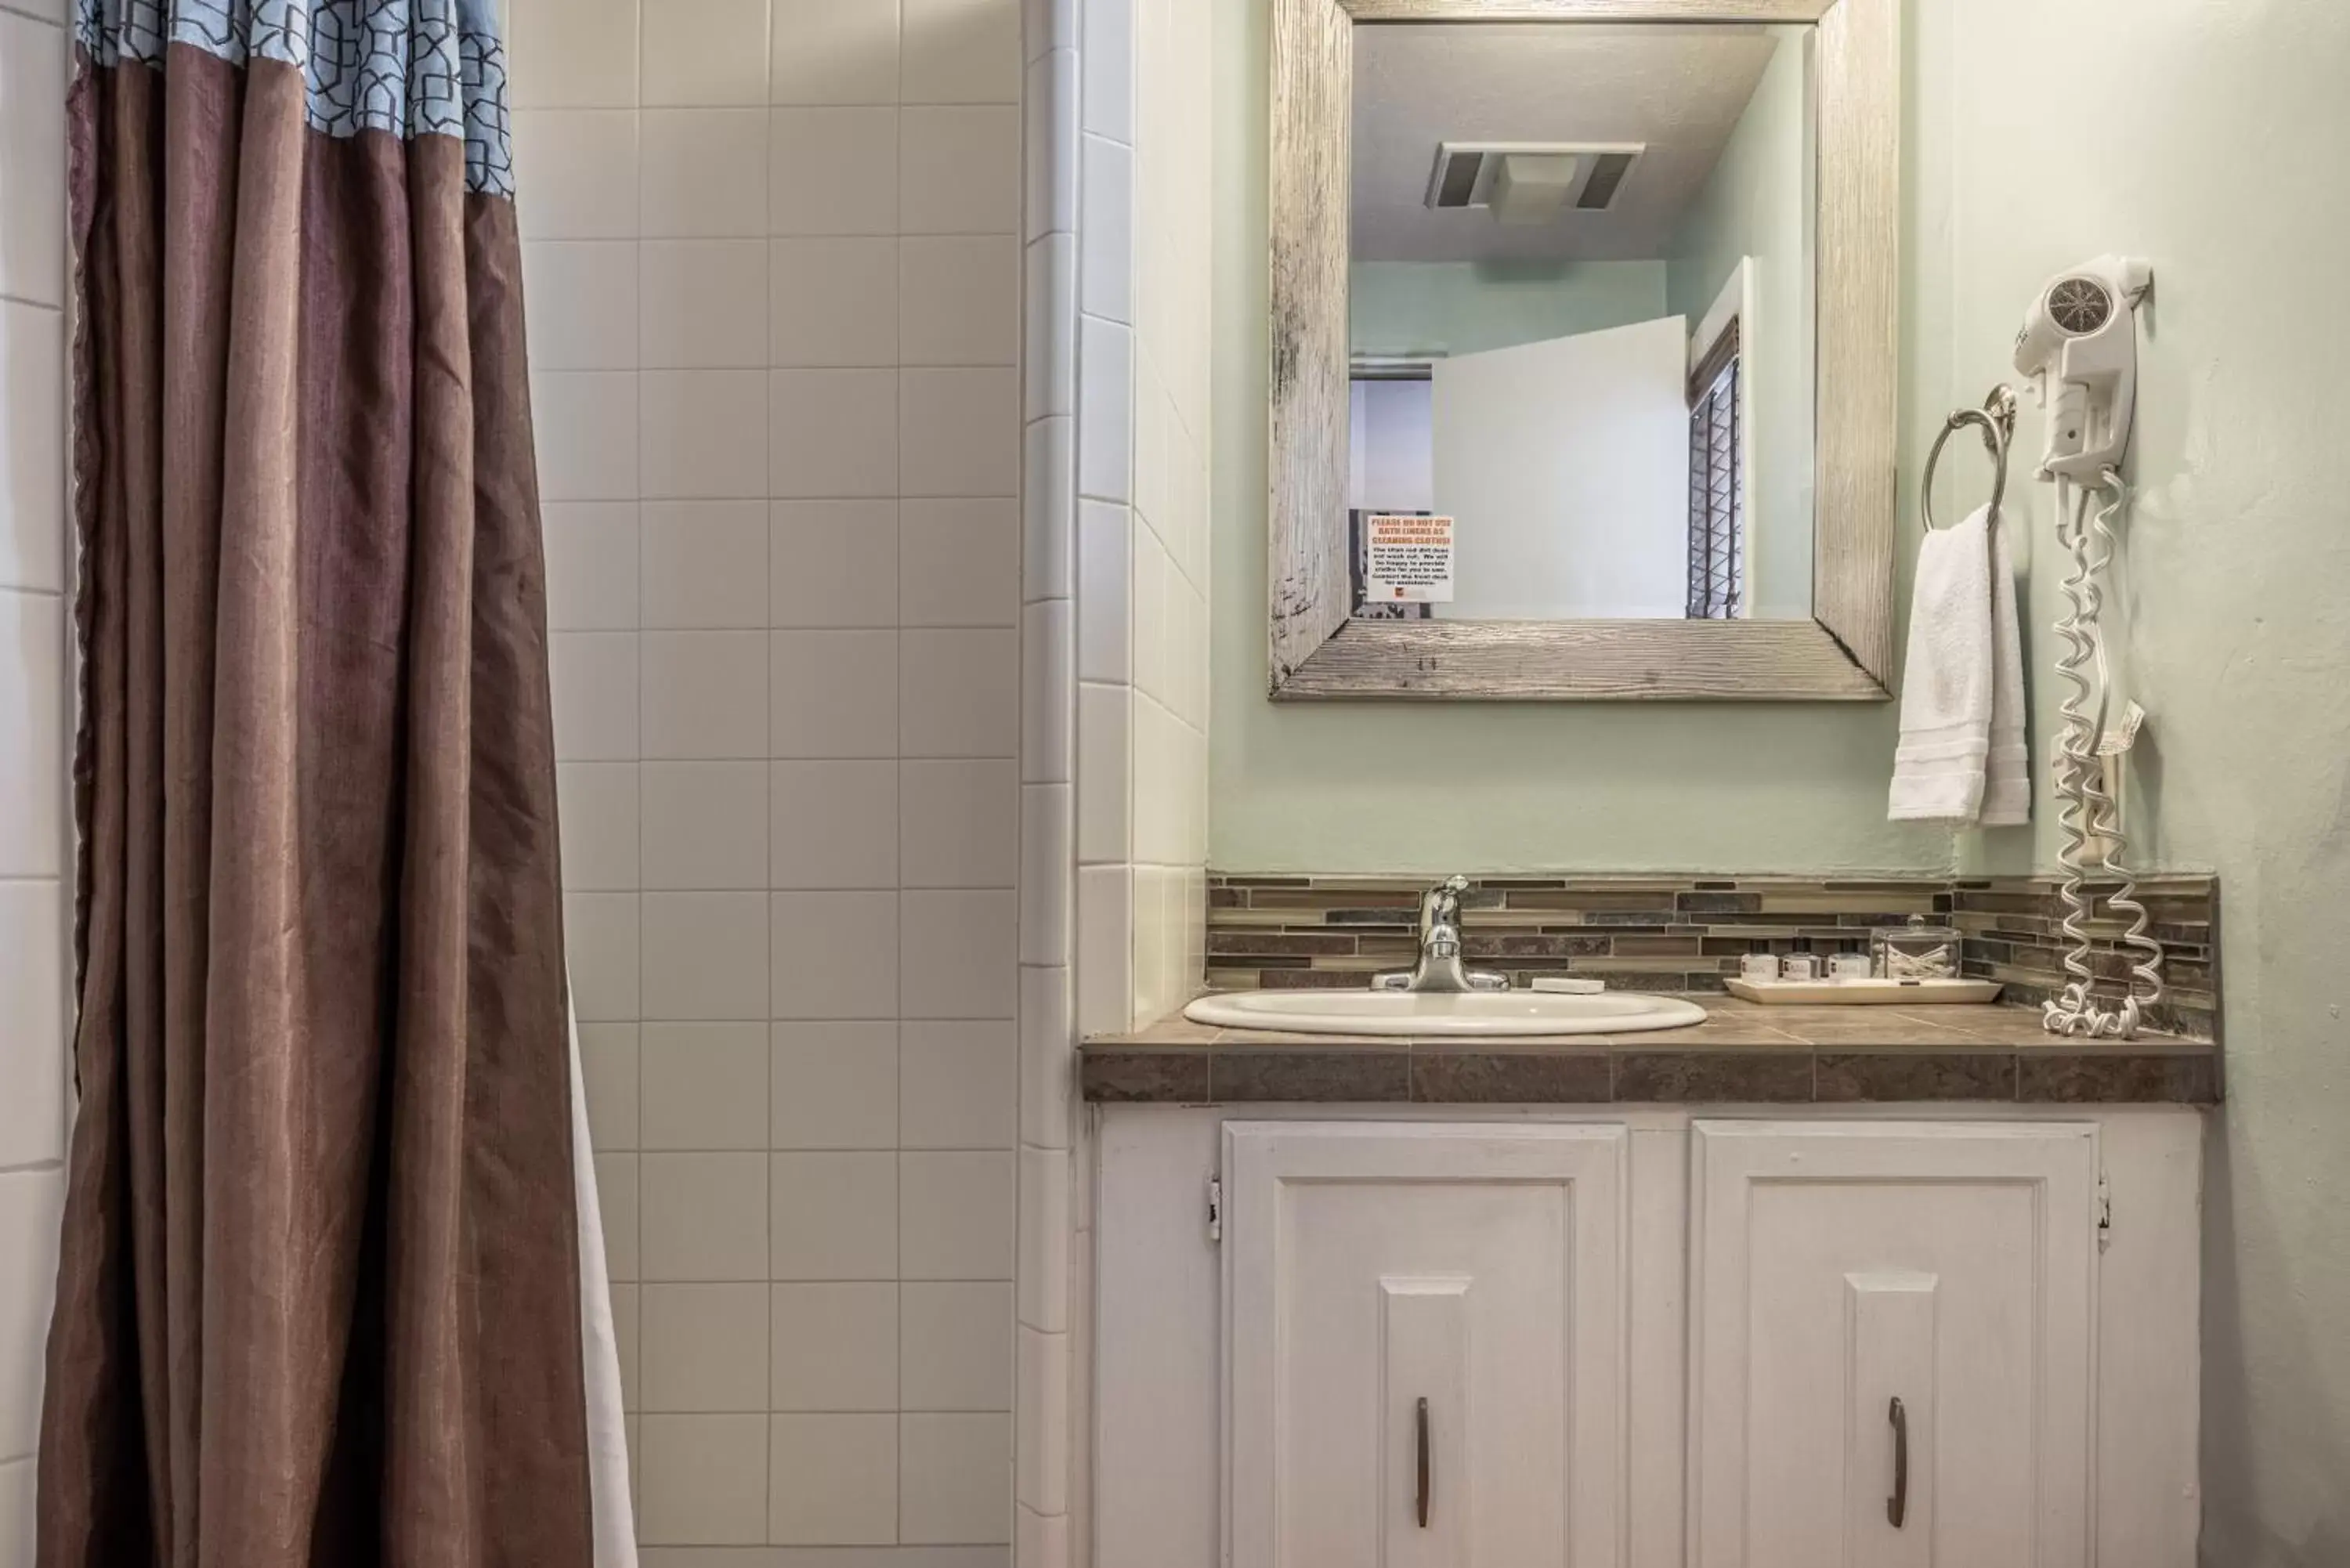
1961 757
2007 793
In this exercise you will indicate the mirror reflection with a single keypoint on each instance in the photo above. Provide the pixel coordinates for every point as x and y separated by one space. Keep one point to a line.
1582 302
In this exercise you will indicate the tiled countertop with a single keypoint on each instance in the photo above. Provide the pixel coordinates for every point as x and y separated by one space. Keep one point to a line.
1743 1054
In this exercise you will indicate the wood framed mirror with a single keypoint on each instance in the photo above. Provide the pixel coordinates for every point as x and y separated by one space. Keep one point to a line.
1832 501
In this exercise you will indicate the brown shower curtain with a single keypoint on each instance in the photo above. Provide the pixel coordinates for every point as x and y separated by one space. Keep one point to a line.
319 1297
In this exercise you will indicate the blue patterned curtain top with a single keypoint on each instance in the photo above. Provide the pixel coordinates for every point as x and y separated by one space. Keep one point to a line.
412 68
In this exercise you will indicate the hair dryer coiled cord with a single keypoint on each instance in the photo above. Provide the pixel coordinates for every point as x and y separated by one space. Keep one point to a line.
2088 808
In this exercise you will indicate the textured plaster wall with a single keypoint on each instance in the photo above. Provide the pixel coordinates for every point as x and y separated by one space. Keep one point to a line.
2235 596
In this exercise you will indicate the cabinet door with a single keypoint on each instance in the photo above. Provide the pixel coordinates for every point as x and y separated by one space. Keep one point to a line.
1837 1268
1371 1268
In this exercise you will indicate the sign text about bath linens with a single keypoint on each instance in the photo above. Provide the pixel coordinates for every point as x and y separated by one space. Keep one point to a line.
1409 560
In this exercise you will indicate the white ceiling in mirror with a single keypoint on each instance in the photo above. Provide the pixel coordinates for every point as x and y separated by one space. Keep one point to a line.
1680 90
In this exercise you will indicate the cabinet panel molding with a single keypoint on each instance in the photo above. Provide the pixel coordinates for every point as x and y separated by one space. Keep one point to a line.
1370 1265
1837 1267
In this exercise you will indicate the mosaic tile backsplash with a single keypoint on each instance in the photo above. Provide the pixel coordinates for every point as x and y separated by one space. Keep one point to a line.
1673 933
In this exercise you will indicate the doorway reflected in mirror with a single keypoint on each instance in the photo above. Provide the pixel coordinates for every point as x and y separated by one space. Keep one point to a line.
1582 300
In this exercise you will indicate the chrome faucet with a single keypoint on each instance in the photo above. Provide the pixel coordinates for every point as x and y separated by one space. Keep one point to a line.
1438 969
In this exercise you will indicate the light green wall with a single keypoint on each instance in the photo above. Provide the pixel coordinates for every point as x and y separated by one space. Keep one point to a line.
2034 137
1758 203
1468 307
1430 788
2235 600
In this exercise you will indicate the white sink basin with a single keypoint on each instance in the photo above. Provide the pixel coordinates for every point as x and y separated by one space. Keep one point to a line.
1466 1015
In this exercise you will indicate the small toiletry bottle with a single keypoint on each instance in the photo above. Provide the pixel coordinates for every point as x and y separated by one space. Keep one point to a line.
1760 964
1848 966
1802 964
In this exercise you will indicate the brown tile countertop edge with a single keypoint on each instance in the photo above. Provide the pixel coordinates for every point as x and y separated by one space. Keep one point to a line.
1743 1055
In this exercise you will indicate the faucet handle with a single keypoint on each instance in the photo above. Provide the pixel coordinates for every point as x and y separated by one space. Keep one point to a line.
1440 907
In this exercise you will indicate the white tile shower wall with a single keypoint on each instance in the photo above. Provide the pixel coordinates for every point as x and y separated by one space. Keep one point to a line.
1048 946
1115 644
35 709
773 253
1170 489
1141 527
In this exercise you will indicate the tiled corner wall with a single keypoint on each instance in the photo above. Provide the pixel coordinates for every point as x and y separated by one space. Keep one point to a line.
1047 1518
773 266
34 703
1114 889
1142 526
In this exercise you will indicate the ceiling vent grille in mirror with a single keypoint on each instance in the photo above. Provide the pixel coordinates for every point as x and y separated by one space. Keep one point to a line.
1530 182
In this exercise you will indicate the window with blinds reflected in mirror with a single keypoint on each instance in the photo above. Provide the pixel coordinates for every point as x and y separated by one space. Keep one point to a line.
1717 509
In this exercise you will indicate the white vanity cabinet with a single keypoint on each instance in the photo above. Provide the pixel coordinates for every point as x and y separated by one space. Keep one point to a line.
1426 1327
1658 1339
1892 1343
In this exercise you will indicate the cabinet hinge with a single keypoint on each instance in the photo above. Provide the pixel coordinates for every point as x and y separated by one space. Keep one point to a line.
1215 1209
2105 1211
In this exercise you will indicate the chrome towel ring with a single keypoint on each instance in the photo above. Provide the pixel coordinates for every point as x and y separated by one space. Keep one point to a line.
1997 418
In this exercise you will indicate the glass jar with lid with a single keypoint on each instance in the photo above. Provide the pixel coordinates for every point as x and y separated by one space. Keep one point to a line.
1915 951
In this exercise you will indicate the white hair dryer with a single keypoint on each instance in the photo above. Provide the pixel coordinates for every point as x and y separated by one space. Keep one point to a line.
2079 347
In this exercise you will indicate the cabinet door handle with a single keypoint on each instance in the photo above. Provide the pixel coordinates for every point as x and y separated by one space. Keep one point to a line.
1897 1507
1423 1464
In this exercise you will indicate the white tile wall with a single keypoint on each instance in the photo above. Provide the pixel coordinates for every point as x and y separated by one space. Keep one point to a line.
1141 523
704 52
959 52
835 1479
16 1512
835 1086
774 251
704 825
836 1346
32 446
834 564
702 174
34 942
583 162
835 51
583 294
705 304
959 299
959 692
959 169
32 129
833 171
834 302
961 563
953 1077
704 1348
577 54
1049 950
946 1490
31 1203
32 716
835 432
1115 394
704 563
703 1479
